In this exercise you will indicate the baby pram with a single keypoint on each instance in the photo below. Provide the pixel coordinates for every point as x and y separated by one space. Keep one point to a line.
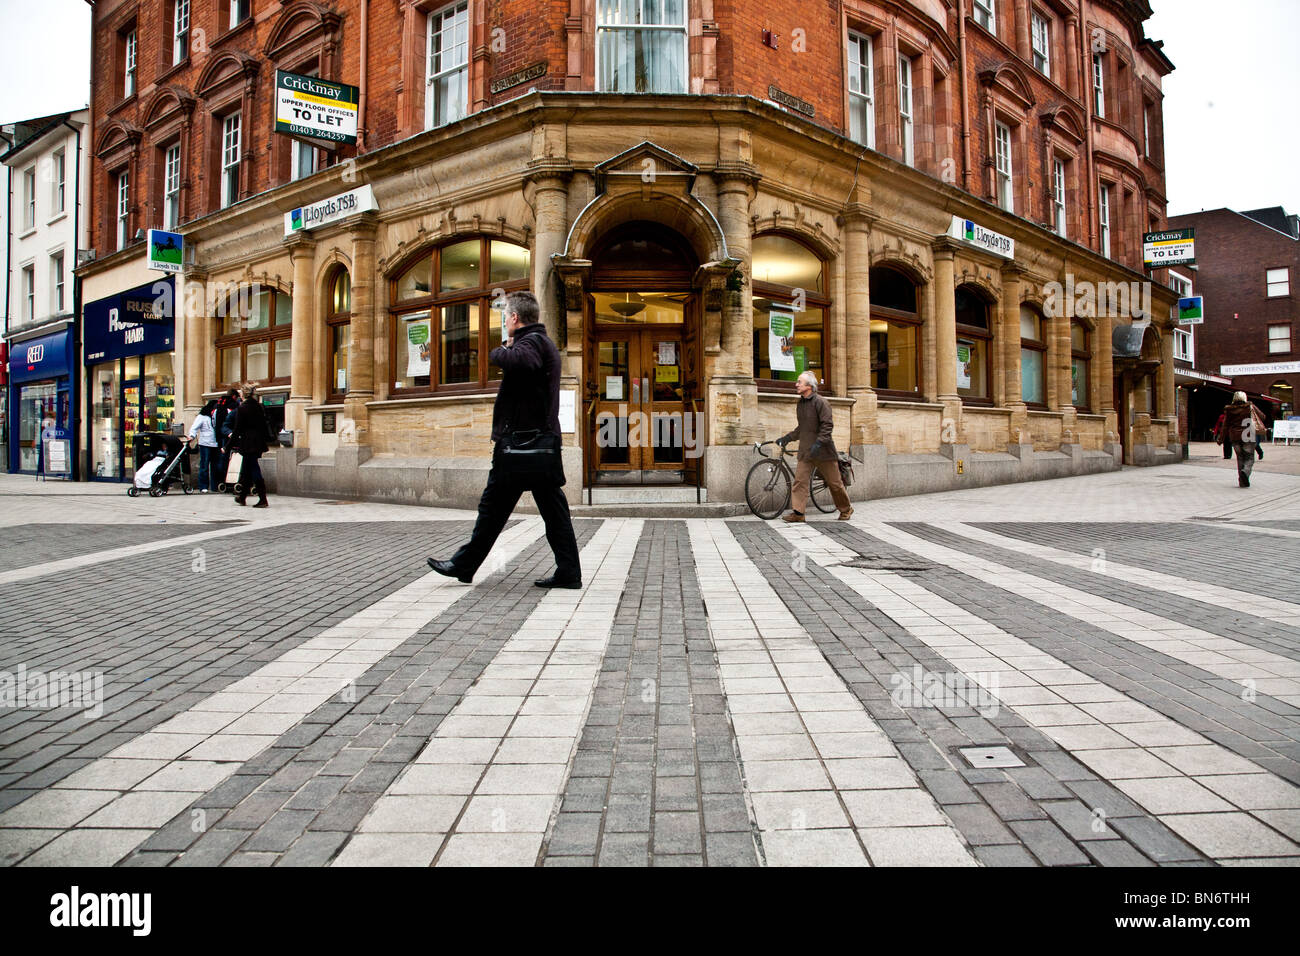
169 464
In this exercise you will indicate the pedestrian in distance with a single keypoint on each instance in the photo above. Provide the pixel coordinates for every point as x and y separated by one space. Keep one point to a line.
1218 437
816 450
526 452
1261 429
223 420
1238 430
203 429
248 437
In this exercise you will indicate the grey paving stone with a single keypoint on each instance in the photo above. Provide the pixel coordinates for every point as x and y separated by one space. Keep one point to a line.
978 824
1046 841
1005 855
1114 853
1009 801
1154 839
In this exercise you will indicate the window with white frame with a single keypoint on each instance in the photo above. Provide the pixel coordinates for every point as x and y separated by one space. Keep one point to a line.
985 16
58 178
123 207
1277 282
180 31
1098 86
905 107
1041 37
1103 216
446 74
1146 130
1279 339
128 78
303 160
29 292
641 46
1058 196
1180 284
1183 345
1002 160
172 187
862 108
238 12
56 283
230 159
29 198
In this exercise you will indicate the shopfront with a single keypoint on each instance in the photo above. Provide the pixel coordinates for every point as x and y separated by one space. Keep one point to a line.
39 394
130 374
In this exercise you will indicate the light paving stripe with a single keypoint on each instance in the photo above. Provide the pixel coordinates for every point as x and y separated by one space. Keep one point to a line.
486 787
1272 674
147 781
99 557
827 786
1217 801
1242 602
1253 529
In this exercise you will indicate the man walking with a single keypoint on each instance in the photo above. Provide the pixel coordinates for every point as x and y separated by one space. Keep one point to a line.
526 433
816 450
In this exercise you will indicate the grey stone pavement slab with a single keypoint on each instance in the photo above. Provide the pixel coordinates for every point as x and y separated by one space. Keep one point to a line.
870 652
656 780
247 600
27 545
1264 731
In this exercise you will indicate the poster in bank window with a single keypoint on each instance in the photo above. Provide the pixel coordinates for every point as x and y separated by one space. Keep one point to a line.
780 341
417 348
963 366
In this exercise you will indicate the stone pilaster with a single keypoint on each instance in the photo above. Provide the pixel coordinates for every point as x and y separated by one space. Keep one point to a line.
1009 335
361 342
302 252
191 305
864 425
945 335
550 211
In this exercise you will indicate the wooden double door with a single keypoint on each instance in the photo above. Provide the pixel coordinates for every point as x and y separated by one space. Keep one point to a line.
641 424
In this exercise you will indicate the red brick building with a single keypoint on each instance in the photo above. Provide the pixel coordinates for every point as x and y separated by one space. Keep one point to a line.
831 141
1247 267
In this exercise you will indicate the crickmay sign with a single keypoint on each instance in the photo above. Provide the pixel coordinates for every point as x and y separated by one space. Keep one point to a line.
310 106
1173 247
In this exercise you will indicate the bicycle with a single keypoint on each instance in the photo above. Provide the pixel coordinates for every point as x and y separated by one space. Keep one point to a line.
768 484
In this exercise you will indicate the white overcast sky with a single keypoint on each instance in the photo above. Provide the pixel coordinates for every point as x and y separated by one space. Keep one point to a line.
1232 135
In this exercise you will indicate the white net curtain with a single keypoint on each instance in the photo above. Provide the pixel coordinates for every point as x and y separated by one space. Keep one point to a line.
641 46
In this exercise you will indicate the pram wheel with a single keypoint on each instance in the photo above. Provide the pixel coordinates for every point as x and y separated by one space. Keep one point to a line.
239 489
222 487
132 491
187 487
155 492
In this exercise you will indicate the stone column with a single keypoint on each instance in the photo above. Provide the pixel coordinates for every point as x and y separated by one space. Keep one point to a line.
361 341
1166 399
1020 26
302 251
550 210
945 332
1071 59
191 305
864 426
1013 394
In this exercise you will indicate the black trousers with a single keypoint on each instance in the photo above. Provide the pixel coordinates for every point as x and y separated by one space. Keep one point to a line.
494 509
250 477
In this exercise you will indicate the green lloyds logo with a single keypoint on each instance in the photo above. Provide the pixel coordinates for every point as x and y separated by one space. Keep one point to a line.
295 218
970 231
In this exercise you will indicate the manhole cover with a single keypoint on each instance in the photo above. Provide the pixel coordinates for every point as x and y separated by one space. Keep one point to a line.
990 757
1199 518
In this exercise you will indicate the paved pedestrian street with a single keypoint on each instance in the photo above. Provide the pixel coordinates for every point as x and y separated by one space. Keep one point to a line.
1099 671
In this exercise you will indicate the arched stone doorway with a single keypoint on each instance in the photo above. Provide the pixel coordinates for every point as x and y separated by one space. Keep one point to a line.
643 362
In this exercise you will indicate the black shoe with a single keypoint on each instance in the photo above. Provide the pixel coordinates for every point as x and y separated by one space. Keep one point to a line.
239 501
556 582
261 503
451 571
1243 481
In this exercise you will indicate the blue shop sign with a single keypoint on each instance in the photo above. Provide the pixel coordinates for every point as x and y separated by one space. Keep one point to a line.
45 357
139 321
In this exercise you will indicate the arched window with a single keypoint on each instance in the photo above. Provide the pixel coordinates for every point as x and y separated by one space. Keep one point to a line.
790 311
253 344
974 341
444 324
895 333
1080 363
338 332
1033 357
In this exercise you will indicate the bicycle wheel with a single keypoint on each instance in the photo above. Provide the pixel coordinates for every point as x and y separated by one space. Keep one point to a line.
820 494
767 489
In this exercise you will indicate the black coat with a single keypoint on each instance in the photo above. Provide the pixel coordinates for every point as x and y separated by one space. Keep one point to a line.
529 396
249 435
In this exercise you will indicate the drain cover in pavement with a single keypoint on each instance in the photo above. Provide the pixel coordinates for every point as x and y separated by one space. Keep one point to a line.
990 757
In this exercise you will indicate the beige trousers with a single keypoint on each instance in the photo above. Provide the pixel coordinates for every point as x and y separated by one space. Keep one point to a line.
830 471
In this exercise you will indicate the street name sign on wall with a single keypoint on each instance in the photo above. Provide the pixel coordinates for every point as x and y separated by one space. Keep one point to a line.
317 214
166 250
986 239
1173 247
310 106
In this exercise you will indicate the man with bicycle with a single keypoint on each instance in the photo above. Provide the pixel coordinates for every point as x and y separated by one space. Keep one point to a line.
816 450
